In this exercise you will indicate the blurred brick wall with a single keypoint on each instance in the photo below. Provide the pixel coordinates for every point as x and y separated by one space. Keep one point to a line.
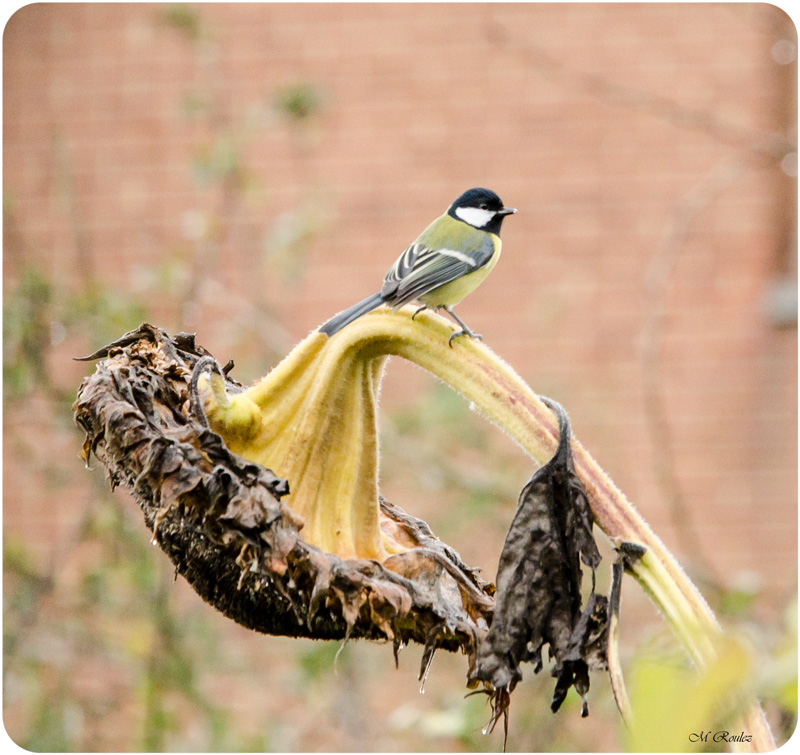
647 147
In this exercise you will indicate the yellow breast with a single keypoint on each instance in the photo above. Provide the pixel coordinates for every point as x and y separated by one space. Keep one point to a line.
452 293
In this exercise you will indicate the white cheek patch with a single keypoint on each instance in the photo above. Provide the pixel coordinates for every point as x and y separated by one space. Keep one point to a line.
475 216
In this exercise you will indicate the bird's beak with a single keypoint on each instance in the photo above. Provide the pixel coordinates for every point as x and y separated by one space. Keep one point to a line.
506 211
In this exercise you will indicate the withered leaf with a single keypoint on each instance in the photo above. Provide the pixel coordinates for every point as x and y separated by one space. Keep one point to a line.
627 555
538 600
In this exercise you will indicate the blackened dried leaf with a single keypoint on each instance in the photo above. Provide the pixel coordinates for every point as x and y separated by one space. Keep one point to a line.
587 650
627 555
538 599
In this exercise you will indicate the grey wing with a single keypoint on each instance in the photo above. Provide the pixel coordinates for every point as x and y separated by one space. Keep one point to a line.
419 270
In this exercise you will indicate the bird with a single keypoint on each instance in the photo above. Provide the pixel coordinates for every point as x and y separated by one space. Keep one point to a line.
448 261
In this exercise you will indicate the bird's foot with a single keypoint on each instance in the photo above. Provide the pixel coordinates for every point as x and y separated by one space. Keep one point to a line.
416 312
464 332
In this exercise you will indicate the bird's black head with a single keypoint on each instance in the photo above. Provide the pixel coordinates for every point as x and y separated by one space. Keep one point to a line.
481 208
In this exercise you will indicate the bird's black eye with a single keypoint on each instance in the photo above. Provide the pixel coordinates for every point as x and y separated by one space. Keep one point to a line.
484 206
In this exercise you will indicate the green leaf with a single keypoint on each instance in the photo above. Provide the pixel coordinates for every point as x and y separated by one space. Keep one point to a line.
674 708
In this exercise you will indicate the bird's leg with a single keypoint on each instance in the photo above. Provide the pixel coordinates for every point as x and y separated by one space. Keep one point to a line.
465 330
416 312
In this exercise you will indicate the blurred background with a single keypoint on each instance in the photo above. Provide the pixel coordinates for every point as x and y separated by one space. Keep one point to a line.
246 171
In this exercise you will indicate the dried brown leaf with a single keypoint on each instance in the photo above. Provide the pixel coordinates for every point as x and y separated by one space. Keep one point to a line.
539 587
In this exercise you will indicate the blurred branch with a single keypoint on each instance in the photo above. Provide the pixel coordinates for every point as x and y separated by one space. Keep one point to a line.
657 277
535 56
762 152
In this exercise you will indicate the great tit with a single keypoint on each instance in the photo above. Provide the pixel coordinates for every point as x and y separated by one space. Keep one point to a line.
449 260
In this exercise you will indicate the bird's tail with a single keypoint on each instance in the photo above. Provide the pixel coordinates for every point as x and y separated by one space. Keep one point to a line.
345 317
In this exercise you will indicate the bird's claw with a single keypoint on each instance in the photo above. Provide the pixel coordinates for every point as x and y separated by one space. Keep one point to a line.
476 336
417 311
